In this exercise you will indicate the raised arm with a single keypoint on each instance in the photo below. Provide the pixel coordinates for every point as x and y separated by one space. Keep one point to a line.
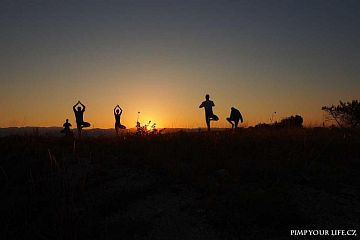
83 106
74 107
115 110
120 110
201 105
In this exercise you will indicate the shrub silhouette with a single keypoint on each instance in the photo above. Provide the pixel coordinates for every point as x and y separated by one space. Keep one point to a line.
346 114
146 129
289 122
292 121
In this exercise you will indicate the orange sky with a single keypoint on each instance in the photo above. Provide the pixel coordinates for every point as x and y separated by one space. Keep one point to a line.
162 57
161 95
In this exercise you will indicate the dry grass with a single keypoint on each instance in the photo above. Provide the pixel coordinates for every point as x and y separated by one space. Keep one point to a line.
251 184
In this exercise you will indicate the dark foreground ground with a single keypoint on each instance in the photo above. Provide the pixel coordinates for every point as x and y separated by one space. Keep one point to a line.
249 184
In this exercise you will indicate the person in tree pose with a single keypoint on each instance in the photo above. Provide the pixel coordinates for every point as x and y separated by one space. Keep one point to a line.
117 113
79 110
209 115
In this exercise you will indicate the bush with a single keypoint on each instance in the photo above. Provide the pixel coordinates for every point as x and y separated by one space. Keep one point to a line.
346 114
289 122
292 121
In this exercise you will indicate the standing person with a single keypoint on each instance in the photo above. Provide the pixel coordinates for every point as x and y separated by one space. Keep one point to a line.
67 129
79 115
117 113
235 116
209 115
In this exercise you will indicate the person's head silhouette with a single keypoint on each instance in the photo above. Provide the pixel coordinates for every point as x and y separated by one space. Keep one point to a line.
67 120
79 108
232 108
117 110
207 96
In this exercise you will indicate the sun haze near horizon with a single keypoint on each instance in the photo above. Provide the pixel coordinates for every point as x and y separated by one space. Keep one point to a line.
160 58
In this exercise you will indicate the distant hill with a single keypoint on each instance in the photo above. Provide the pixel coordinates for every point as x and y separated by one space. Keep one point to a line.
29 131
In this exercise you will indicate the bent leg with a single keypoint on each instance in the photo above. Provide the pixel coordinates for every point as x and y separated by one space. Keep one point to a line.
85 124
230 121
214 117
122 127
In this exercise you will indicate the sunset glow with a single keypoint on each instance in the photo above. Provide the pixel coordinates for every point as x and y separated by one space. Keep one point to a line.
179 119
162 57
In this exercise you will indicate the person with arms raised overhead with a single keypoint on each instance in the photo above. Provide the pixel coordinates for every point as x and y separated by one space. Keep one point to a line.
117 113
209 115
235 116
79 115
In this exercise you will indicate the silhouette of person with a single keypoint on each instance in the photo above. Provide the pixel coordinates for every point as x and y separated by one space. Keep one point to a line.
209 115
79 115
117 113
67 129
235 116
